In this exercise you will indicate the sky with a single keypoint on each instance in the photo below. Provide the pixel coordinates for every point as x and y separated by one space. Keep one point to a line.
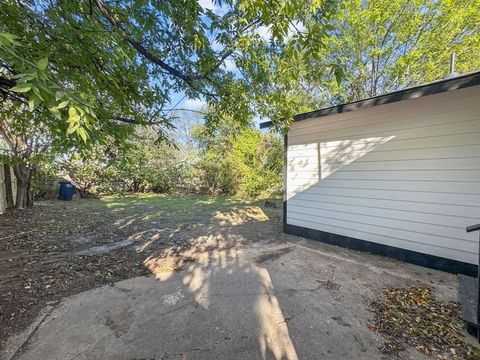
178 100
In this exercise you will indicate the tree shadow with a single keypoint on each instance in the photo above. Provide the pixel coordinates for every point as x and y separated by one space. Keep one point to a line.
229 285
211 253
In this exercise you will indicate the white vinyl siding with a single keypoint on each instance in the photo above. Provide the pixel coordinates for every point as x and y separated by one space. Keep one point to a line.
405 174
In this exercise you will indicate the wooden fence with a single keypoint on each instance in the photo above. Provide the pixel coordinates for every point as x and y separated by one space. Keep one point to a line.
8 187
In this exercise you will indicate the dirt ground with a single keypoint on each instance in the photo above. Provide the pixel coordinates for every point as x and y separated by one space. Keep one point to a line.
157 277
40 248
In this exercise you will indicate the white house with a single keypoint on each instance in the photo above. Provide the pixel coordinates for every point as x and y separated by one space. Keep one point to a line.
397 175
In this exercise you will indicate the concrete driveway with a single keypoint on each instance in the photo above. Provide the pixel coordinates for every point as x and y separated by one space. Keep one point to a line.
279 298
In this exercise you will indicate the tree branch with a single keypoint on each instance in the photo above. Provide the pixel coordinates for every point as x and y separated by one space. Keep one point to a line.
190 110
136 122
7 83
7 138
189 79
138 46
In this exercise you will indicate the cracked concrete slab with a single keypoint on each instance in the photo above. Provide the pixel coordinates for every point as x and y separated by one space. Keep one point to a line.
293 299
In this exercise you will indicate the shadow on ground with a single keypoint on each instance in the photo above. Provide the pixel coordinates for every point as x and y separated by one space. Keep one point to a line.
224 283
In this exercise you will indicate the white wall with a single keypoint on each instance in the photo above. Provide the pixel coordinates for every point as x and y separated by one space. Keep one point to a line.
405 174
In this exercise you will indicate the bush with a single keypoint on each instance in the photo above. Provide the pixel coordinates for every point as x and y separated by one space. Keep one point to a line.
218 175
238 161
243 162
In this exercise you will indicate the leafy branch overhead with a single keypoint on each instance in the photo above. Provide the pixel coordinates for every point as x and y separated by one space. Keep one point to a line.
76 74
96 63
36 86
84 73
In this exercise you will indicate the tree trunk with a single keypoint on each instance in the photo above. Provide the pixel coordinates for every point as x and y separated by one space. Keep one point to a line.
24 174
8 186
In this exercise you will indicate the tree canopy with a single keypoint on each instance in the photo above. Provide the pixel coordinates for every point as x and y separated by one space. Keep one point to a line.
96 64
83 73
383 46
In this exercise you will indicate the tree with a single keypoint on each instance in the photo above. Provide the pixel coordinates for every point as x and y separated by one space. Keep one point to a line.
44 106
258 158
383 46
82 68
127 51
28 142
142 164
238 160
25 144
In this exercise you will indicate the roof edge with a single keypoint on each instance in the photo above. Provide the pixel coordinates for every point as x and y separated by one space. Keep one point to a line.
436 87
266 124
459 82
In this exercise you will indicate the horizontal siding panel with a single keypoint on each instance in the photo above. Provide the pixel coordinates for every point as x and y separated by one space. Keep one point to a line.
414 107
381 122
451 253
429 208
393 175
407 215
418 117
429 142
423 197
400 185
405 174
472 163
381 155
454 128
429 230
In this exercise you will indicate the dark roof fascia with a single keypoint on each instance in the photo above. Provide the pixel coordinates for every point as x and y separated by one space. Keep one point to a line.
459 82
266 124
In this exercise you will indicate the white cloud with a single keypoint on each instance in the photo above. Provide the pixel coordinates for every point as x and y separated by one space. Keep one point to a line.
264 32
229 65
210 5
194 104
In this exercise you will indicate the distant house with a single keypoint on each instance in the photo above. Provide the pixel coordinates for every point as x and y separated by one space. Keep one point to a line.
397 174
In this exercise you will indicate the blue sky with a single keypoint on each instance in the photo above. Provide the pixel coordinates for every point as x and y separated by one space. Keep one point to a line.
178 100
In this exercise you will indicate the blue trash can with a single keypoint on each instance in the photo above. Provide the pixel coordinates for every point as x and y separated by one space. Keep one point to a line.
66 191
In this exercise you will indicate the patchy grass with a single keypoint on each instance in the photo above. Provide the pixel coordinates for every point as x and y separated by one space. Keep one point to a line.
173 208
194 203
415 317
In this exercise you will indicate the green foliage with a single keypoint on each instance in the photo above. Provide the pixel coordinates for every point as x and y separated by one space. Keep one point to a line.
130 56
230 160
218 175
258 159
79 74
144 165
383 46
88 170
241 161
45 181
155 166
60 102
